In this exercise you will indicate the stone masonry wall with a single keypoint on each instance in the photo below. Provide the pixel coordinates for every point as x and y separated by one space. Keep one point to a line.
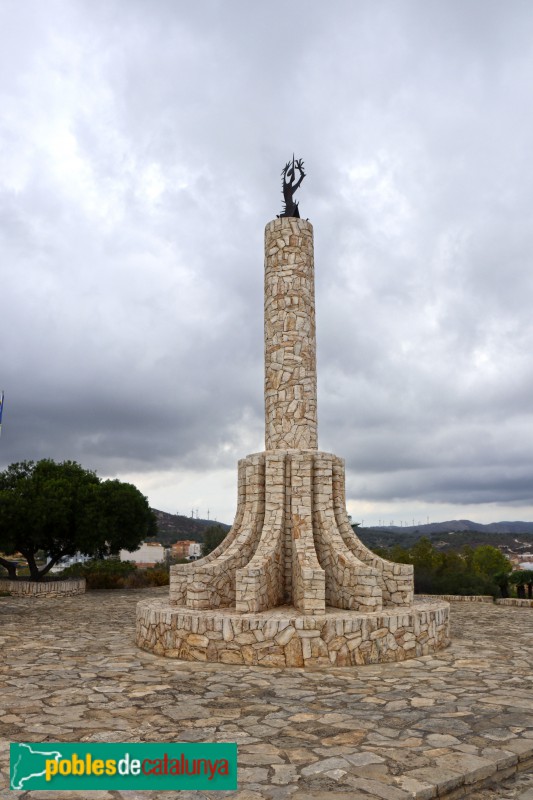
181 573
520 602
308 577
396 581
460 598
349 582
210 582
281 638
260 583
480 598
290 340
65 588
291 544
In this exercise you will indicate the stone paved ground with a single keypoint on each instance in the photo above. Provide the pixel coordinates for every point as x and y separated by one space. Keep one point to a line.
69 671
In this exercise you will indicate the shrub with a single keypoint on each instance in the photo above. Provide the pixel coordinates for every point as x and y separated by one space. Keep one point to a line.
480 571
111 574
158 576
102 573
153 576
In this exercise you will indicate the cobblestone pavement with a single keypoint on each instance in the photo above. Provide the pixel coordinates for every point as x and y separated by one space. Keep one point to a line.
69 671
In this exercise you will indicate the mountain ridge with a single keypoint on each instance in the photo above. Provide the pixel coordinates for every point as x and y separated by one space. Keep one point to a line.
175 527
451 534
458 525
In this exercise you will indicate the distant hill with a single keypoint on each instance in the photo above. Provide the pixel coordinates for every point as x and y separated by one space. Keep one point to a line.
175 528
459 525
510 537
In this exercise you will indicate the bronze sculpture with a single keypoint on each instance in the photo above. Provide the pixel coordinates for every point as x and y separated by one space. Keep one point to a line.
289 185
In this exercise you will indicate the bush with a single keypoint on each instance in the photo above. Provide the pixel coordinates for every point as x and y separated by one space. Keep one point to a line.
463 583
153 576
474 571
101 573
158 576
103 565
111 574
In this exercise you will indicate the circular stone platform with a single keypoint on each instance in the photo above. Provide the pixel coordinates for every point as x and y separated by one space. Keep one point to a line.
283 637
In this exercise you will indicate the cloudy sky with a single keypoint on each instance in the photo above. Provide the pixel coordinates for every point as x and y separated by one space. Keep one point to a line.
141 143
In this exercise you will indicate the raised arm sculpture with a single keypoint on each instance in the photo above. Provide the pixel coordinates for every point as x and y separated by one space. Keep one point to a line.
289 185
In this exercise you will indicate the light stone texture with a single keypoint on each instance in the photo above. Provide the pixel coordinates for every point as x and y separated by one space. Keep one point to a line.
393 723
292 639
290 337
520 602
464 598
292 543
65 588
291 585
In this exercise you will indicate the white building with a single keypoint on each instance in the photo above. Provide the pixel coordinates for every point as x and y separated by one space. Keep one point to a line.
68 561
148 554
195 551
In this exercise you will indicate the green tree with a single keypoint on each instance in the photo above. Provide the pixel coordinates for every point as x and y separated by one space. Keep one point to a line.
449 572
517 579
501 579
424 555
400 555
62 509
529 582
425 559
213 536
522 578
468 557
490 561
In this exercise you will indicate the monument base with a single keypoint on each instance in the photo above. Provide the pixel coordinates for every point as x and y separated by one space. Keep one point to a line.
284 637
291 544
292 585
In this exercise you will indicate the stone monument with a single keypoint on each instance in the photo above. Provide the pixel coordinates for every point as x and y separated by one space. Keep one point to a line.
291 584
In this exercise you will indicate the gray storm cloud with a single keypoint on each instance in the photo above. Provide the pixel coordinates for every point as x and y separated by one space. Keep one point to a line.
140 151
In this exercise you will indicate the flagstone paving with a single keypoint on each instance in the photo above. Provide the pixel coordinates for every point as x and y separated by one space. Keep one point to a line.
69 671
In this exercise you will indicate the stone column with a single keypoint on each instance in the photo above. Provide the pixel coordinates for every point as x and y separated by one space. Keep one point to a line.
290 340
